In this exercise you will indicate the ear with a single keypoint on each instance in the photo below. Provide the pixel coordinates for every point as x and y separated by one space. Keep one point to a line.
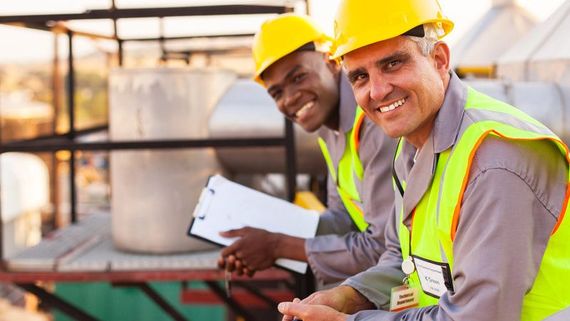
441 57
332 64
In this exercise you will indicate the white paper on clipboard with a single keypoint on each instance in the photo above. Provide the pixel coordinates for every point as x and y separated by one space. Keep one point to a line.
225 205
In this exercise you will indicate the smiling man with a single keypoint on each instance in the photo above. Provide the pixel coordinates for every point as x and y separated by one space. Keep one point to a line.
481 191
292 62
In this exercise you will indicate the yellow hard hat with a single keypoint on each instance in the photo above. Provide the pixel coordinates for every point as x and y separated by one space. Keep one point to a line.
359 23
282 35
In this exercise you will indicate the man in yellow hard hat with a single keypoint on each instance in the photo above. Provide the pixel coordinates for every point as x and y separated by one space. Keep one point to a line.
291 55
481 187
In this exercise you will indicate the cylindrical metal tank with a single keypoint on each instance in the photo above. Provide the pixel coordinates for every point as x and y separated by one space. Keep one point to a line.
549 103
246 110
155 191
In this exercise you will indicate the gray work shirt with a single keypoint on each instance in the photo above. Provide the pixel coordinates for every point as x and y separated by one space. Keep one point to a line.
340 250
513 198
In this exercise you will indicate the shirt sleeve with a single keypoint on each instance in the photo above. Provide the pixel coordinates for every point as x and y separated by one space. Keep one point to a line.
335 257
509 209
377 282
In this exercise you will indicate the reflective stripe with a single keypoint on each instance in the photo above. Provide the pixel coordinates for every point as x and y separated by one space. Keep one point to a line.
422 225
349 170
476 100
355 143
442 203
480 115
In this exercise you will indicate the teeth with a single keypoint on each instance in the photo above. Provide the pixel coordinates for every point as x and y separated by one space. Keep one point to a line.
392 106
304 109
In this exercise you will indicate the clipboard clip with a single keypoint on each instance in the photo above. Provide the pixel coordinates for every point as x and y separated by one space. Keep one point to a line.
204 203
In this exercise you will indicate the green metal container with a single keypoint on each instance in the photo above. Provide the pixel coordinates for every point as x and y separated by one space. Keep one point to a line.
108 303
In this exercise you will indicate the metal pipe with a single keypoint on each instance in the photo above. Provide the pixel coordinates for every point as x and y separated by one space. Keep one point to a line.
149 13
44 138
116 33
57 106
1 221
64 144
291 163
159 300
190 37
71 129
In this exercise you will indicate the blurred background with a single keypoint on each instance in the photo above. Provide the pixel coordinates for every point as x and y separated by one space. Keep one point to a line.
184 78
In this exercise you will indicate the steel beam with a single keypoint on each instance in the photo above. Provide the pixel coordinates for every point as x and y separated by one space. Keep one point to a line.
63 144
156 298
56 302
190 37
71 124
236 307
149 13
291 160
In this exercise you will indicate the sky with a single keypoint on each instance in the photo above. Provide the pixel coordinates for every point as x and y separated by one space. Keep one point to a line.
22 45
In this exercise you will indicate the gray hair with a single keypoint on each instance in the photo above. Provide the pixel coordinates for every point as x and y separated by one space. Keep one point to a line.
427 42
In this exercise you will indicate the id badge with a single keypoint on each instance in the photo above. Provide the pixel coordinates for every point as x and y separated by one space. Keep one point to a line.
435 277
404 297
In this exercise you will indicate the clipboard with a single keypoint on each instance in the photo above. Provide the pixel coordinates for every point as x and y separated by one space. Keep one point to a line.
226 205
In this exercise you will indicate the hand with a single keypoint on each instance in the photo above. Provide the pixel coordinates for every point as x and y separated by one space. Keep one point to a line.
232 264
309 312
254 250
342 298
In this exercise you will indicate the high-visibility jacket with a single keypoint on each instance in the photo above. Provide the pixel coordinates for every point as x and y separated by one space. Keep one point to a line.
436 216
349 169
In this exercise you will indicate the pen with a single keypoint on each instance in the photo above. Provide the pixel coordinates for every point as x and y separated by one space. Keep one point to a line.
227 280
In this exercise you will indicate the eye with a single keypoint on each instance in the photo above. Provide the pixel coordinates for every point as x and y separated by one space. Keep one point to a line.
393 64
299 77
357 78
276 95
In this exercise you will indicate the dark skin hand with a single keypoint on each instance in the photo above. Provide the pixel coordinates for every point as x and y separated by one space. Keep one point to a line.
232 264
257 249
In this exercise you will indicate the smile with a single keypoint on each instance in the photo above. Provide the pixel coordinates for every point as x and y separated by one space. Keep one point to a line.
304 109
392 106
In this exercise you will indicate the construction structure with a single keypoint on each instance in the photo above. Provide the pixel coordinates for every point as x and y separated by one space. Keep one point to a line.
543 55
153 157
475 55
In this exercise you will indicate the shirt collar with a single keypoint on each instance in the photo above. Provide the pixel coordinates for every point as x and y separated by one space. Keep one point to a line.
448 120
347 104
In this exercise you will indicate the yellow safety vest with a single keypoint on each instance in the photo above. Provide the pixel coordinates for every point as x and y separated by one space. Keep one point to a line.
349 169
436 216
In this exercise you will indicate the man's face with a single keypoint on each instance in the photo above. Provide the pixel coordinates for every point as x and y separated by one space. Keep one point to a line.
304 86
398 87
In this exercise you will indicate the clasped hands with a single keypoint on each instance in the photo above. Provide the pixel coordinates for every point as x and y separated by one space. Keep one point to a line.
329 305
256 250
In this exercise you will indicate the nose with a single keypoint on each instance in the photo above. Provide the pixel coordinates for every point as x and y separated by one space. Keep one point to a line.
291 97
380 88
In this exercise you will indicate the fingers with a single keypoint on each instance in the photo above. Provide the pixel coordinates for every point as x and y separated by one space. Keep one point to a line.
290 310
239 267
311 298
231 249
249 271
287 317
221 262
230 263
234 233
